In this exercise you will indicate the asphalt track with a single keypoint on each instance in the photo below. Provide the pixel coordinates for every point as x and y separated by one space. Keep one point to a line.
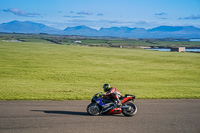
153 116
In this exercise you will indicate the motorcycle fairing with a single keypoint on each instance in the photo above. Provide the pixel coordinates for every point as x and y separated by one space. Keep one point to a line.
115 111
100 102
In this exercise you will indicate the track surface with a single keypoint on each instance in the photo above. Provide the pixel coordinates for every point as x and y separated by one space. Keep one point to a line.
153 116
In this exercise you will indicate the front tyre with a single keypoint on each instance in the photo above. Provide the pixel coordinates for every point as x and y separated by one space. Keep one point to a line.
93 109
130 110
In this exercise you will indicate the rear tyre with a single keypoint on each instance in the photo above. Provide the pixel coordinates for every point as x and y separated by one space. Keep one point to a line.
131 110
93 109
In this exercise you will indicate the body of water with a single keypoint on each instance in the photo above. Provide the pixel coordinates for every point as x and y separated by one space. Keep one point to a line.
162 49
195 40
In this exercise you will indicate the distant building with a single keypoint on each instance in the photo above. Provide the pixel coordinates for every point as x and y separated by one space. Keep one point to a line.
178 49
77 42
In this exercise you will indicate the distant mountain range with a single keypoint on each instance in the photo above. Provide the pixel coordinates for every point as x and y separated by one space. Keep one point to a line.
27 27
157 32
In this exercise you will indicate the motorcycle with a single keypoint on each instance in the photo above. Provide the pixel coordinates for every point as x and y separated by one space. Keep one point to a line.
99 106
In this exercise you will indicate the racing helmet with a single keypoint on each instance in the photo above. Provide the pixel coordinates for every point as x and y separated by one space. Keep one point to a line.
106 87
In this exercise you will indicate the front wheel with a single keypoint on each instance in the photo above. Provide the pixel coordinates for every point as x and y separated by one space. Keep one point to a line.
93 109
130 110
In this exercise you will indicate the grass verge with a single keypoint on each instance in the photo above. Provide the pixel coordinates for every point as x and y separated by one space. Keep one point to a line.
42 71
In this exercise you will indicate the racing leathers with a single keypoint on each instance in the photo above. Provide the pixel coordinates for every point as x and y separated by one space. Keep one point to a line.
113 94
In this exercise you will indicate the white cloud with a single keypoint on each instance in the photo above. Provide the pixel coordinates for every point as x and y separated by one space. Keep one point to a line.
161 14
100 14
192 17
68 16
110 23
85 13
20 12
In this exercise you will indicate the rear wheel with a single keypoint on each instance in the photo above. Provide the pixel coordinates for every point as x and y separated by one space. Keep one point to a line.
93 109
130 110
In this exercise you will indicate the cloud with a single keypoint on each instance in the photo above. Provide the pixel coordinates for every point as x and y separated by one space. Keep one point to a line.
111 21
85 13
74 16
192 17
160 14
100 14
20 12
97 24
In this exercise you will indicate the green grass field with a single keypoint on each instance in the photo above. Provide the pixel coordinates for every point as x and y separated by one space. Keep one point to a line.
134 43
46 71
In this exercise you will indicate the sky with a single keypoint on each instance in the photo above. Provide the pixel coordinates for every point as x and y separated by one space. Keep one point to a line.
96 14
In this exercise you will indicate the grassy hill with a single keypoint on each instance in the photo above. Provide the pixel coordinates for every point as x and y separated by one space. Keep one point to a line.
46 71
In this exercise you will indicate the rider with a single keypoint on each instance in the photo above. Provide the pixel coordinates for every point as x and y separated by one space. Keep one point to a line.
112 93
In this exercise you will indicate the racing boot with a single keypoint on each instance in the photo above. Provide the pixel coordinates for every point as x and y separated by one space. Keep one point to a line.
119 104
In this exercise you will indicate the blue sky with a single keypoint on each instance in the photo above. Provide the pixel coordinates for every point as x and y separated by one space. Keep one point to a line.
103 13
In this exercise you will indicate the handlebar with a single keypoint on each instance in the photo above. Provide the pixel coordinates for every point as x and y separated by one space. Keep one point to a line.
99 93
